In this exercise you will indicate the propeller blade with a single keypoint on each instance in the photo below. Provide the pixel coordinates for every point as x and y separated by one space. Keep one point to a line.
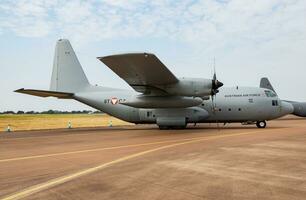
216 84
218 125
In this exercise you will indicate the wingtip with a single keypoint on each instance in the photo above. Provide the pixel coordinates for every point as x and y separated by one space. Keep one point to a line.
19 90
102 58
126 54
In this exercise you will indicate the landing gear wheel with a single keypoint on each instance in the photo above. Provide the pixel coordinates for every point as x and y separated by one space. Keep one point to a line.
172 127
261 124
163 127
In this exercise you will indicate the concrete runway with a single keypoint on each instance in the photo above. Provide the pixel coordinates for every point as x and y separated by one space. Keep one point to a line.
142 162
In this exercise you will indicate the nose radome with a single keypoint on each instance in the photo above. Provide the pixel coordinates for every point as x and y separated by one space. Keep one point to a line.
287 108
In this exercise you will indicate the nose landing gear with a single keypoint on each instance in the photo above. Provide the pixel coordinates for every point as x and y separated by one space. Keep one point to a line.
261 124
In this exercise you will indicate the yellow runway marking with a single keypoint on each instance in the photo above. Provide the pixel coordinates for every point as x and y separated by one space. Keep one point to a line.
94 150
54 182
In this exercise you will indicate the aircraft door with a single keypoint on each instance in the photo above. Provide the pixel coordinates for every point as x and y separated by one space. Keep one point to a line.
147 115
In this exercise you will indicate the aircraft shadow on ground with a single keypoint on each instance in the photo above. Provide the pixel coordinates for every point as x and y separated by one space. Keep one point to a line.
128 129
292 119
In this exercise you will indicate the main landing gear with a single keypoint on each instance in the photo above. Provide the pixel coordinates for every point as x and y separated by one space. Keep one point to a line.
261 124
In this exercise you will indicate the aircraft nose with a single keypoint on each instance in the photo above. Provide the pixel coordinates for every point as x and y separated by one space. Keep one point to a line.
287 108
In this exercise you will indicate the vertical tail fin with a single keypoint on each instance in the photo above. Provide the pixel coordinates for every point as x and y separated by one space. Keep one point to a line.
67 74
265 83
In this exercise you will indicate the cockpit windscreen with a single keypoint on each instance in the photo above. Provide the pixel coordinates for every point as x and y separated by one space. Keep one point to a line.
270 93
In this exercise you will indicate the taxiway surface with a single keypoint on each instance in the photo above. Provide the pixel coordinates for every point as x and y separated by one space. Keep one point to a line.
142 162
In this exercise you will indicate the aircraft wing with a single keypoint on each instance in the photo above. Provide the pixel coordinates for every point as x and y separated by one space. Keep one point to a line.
144 72
45 93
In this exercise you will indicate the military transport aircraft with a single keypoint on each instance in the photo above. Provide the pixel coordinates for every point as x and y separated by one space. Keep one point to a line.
160 97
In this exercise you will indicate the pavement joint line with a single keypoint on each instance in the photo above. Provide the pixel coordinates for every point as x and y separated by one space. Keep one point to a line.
63 179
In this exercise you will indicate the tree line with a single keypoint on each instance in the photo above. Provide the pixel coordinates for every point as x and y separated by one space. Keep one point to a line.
20 112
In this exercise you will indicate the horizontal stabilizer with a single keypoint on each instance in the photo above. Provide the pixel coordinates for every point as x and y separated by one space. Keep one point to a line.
45 93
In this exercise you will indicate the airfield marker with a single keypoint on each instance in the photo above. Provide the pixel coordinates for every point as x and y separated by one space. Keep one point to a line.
110 123
69 125
8 129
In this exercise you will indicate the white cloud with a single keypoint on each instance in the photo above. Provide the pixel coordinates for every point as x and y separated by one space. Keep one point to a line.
201 22
251 37
26 18
208 25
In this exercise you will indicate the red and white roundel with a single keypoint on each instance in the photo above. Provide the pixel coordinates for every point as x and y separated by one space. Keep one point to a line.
114 100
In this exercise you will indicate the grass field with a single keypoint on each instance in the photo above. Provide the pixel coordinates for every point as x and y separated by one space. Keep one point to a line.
53 121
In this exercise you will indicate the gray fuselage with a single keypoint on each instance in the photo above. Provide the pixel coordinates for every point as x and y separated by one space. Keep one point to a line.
231 104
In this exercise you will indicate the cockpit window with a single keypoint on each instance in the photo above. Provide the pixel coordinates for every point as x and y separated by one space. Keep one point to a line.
270 93
274 103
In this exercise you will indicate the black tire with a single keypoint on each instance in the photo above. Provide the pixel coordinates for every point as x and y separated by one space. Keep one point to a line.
261 124
181 127
163 127
172 127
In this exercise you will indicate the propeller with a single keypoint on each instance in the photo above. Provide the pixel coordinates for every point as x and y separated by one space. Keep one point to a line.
216 84
214 108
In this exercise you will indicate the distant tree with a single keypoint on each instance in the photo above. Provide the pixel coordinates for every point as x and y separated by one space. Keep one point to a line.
97 112
53 112
50 112
9 112
86 111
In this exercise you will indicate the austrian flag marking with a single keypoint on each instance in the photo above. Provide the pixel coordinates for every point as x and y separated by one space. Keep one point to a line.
114 100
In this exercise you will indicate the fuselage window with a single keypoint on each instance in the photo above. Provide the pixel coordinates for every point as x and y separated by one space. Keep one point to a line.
229 109
239 109
149 113
220 109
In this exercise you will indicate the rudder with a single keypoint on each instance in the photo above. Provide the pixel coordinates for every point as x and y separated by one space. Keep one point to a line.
265 83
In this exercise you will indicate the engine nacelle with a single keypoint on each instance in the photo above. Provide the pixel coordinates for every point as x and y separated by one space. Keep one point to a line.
191 87
299 108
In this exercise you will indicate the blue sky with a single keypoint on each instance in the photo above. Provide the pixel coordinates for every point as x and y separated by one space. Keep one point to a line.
248 38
